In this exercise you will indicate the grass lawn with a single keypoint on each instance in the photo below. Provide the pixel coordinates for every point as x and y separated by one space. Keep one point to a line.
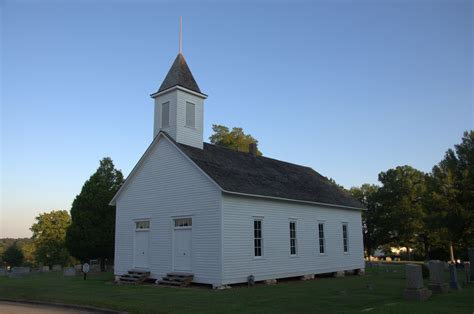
348 294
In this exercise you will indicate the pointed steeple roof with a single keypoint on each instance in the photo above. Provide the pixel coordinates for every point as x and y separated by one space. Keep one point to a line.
179 75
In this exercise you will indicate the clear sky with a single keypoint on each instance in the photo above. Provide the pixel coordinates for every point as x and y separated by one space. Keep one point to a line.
350 88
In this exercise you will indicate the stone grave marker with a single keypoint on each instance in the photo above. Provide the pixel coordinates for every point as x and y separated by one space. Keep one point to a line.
453 275
69 272
471 264
45 269
78 267
467 267
17 272
415 289
57 268
437 283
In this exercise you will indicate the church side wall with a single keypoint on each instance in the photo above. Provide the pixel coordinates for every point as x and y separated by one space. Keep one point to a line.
166 186
239 262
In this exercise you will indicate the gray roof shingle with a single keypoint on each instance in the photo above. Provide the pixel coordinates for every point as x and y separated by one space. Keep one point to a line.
241 172
179 74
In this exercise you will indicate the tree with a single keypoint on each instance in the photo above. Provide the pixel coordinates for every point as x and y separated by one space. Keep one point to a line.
367 195
235 139
13 256
49 236
453 194
92 230
403 209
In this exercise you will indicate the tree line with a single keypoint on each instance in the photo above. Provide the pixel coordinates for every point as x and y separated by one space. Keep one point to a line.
431 215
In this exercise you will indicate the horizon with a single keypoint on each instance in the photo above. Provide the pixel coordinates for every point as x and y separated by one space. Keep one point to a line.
347 89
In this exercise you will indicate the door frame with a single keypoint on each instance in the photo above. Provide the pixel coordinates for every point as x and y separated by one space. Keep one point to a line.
135 230
173 242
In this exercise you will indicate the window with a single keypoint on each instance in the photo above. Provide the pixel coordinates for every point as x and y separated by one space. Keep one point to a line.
257 237
165 115
345 239
183 222
190 115
141 225
322 248
293 248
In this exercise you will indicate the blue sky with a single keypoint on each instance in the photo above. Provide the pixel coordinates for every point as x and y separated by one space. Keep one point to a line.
350 88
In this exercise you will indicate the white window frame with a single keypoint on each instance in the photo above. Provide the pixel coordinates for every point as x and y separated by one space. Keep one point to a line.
183 219
259 219
320 222
290 222
186 115
167 124
138 221
345 237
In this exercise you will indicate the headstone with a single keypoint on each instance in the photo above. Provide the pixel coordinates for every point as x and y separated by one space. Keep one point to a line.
45 269
414 284
467 270
21 270
69 272
57 268
453 275
437 283
471 269
78 267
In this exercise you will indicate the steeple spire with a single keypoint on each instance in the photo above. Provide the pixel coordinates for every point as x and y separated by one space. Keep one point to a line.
180 35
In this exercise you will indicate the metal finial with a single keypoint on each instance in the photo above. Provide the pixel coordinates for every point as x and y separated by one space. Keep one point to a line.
180 34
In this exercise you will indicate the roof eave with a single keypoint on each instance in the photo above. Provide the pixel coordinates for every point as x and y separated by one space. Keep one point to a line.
181 88
293 200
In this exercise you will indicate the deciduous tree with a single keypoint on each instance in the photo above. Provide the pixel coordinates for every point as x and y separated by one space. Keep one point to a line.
49 236
13 256
235 139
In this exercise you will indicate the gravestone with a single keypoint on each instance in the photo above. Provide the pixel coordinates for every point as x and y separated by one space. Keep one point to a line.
467 270
69 272
453 275
45 269
471 262
414 284
78 267
437 283
57 268
17 272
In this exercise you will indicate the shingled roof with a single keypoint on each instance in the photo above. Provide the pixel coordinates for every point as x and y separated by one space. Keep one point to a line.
244 173
179 75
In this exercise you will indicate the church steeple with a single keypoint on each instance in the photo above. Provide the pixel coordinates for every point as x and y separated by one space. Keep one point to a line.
179 75
179 105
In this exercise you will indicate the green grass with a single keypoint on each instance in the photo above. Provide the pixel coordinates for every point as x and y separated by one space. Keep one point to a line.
348 294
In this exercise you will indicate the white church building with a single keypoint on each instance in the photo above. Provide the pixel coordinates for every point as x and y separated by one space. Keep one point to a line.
219 215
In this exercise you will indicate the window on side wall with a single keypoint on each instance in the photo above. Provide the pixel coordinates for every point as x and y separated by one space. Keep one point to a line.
345 238
293 239
257 238
322 244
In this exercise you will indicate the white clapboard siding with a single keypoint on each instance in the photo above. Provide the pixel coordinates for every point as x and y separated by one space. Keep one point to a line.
192 136
167 185
170 97
238 254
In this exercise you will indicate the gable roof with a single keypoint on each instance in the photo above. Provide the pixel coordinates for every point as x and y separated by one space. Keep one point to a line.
243 173
179 75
